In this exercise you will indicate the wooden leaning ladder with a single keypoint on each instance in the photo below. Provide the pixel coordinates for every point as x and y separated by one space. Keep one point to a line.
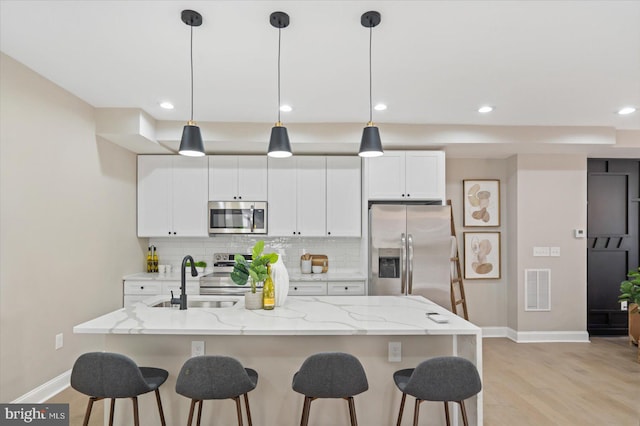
457 286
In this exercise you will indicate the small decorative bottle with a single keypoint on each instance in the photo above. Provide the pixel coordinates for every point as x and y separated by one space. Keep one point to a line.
268 292
149 260
155 259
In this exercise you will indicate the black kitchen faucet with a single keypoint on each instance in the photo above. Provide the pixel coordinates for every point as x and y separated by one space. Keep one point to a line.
183 282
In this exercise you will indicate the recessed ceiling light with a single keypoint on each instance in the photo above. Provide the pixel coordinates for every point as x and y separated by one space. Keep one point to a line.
485 109
286 108
380 107
166 105
626 110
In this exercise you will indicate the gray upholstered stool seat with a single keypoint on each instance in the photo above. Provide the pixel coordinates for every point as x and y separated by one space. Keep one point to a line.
109 375
216 377
444 379
330 375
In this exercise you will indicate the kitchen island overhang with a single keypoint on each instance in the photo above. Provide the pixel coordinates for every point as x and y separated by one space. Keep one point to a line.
276 342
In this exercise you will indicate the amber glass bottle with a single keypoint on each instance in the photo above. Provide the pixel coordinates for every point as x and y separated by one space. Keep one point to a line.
268 292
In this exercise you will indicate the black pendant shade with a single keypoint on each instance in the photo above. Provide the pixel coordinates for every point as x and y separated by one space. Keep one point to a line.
191 143
279 146
370 145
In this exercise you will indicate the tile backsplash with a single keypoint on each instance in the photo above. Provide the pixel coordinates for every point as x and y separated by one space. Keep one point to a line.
344 253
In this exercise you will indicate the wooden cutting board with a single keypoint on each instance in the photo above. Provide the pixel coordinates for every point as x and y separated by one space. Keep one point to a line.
320 260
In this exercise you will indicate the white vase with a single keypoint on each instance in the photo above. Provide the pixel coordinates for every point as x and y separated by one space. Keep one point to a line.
253 301
280 278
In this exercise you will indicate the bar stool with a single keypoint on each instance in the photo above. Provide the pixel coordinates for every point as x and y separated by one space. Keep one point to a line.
216 377
330 375
443 379
103 375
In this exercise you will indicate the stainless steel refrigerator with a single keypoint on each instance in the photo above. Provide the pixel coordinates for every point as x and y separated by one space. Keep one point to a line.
410 251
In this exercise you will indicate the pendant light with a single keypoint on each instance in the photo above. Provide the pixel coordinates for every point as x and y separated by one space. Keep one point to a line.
279 146
370 145
191 144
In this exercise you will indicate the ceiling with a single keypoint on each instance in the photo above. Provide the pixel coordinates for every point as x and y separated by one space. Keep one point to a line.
539 63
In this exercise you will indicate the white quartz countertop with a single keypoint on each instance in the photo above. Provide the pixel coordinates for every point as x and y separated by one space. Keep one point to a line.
146 276
327 276
322 315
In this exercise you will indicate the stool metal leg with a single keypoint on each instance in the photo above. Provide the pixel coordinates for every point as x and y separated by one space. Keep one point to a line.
246 404
352 411
162 421
111 410
464 413
446 412
136 418
193 403
238 410
416 412
87 413
199 412
404 397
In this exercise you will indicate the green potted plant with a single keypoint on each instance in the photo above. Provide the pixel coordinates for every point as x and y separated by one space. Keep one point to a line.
630 292
256 271
200 266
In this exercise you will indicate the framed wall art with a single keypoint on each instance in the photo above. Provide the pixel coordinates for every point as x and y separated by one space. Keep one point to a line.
481 202
481 255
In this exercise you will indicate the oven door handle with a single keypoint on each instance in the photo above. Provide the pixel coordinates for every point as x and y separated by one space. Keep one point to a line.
251 218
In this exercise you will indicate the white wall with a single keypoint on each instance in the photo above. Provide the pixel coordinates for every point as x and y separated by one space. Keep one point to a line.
67 227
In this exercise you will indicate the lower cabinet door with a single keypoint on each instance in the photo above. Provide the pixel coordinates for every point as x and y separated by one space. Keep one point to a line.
352 288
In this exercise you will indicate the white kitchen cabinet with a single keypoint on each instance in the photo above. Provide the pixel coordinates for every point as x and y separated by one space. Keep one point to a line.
406 175
296 196
348 288
317 288
237 177
172 196
344 215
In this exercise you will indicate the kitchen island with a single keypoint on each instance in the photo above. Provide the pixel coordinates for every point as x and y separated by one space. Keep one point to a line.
275 343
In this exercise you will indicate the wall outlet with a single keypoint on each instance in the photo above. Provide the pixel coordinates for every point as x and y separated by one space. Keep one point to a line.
197 348
395 351
59 341
541 251
624 306
554 251
579 233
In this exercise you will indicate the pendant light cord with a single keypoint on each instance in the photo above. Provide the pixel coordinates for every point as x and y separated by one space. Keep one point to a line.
279 37
370 78
191 60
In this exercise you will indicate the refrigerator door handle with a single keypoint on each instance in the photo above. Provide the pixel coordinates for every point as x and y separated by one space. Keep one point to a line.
410 266
403 262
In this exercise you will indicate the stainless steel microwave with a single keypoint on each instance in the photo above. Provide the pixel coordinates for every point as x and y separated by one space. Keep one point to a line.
237 217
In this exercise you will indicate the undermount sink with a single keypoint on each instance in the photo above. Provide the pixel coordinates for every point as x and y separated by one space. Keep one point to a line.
199 304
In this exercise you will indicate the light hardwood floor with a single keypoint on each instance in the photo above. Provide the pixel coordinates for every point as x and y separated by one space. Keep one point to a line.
536 384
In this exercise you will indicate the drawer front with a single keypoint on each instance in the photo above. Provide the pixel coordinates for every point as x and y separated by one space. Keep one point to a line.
346 289
308 289
142 287
193 287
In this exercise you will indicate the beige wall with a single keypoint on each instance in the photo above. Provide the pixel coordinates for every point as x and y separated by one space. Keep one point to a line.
486 299
551 203
67 227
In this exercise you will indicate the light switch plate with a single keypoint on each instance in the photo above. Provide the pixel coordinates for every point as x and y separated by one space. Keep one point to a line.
554 251
624 305
541 251
59 341
197 348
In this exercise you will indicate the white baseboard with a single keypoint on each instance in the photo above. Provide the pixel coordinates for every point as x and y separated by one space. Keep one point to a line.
494 332
548 336
45 391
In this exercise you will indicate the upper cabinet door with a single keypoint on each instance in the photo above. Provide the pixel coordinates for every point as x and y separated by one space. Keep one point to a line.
189 196
425 175
154 183
282 197
343 197
386 177
311 196
223 177
252 178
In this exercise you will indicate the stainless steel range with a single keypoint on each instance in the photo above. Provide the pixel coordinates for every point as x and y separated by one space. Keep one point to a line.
219 281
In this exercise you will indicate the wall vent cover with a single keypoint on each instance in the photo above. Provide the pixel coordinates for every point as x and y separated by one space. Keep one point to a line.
537 289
